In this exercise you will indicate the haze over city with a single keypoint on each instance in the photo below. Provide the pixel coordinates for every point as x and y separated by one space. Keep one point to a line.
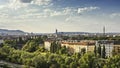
44 16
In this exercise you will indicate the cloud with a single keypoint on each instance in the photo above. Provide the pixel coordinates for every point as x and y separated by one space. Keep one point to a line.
32 1
37 2
62 12
16 4
41 2
36 12
113 15
26 1
2 6
3 15
69 19
76 12
28 9
86 9
3 1
24 9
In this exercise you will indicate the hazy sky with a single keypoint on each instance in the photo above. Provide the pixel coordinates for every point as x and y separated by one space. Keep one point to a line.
64 15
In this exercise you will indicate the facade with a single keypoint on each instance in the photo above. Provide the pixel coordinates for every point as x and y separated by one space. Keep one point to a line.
116 49
1 41
90 48
108 46
76 47
47 45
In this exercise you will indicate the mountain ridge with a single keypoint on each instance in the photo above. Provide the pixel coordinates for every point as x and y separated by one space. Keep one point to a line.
11 32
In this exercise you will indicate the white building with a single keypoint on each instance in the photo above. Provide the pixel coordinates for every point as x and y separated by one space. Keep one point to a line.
47 45
108 46
1 41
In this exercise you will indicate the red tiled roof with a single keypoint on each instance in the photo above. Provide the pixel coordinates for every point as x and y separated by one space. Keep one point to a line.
79 43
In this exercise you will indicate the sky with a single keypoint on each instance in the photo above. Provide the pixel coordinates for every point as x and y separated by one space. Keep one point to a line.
44 16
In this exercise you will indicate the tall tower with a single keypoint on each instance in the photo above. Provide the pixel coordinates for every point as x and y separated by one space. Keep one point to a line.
104 31
56 31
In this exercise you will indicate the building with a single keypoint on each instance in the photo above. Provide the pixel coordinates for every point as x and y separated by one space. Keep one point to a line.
108 46
1 41
47 45
76 47
116 48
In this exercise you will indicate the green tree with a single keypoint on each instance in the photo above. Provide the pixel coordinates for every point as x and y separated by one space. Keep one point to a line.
83 51
40 62
15 56
52 59
103 52
65 37
20 40
99 50
11 43
63 50
76 56
39 40
55 47
73 65
54 65
5 51
113 52
95 51
41 49
26 58
68 60
30 46
113 62
87 60
44 37
58 47
63 66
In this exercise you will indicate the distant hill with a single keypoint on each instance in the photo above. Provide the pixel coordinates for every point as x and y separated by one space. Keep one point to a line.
11 32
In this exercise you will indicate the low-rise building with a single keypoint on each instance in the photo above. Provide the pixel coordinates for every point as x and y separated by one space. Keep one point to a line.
116 47
73 45
76 47
47 45
1 41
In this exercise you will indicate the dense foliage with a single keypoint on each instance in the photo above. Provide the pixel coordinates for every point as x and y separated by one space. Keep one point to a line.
34 55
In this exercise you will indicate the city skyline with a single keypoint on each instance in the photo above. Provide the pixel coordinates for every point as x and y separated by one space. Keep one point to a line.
44 16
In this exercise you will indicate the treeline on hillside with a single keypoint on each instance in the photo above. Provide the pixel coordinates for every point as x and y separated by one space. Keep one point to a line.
34 55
